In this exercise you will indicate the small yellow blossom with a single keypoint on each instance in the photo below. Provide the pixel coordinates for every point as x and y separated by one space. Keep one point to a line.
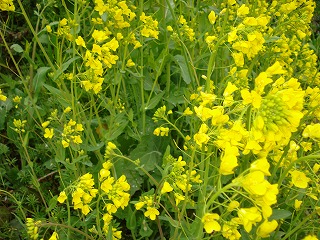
212 17
233 205
54 236
243 10
48 133
297 204
249 217
166 188
48 28
67 109
62 197
45 124
65 144
310 237
151 213
178 197
299 179
210 223
130 63
266 228
2 97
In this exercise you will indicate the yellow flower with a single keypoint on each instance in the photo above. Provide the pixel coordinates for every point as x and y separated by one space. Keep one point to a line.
251 97
151 213
85 209
201 138
166 188
178 197
249 217
261 81
130 63
48 28
65 144
67 109
266 228
187 111
63 22
255 183
229 89
229 230
212 17
253 146
238 58
17 99
299 179
297 204
262 165
48 133
54 236
276 68
316 168
209 222
232 36
229 159
45 124
233 205
80 42
62 197
310 237
77 139
243 10
139 205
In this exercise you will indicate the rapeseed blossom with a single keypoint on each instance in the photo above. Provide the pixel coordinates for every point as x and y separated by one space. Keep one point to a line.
7 5
210 222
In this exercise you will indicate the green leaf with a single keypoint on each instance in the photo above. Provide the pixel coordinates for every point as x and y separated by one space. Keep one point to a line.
38 80
180 60
116 126
61 96
92 148
131 222
52 204
148 152
17 48
154 101
280 214
145 230
64 67
161 61
173 222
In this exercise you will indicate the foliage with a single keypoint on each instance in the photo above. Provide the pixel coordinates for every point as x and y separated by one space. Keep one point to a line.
159 119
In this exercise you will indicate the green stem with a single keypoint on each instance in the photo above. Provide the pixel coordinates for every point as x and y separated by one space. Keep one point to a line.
16 201
50 224
34 176
304 220
36 36
289 167
217 193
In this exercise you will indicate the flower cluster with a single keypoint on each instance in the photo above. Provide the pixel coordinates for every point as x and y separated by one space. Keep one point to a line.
2 97
32 228
19 125
71 133
150 26
7 5
148 201
114 193
83 193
